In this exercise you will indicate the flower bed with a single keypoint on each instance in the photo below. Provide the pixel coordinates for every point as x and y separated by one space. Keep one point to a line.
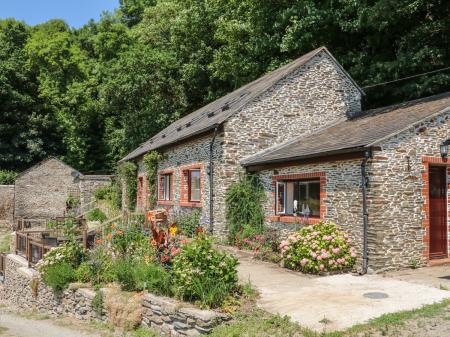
161 262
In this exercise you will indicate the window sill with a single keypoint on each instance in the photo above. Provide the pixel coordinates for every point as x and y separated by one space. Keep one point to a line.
190 204
165 202
293 219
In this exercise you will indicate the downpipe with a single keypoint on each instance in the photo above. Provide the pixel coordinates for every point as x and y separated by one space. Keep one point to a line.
364 185
211 180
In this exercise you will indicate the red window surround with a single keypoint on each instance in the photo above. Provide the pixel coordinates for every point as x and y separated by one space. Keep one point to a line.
426 196
299 176
184 185
160 200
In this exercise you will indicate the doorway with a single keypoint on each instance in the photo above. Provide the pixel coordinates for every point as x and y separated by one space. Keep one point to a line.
438 212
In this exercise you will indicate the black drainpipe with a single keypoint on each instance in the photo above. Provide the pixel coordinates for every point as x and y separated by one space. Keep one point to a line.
364 183
211 180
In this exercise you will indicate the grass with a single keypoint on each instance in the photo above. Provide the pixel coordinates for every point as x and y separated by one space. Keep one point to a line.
5 238
258 323
3 330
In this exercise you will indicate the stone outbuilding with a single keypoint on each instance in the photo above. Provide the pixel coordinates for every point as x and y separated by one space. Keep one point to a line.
41 192
379 174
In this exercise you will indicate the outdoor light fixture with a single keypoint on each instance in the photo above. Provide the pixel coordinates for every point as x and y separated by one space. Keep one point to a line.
443 148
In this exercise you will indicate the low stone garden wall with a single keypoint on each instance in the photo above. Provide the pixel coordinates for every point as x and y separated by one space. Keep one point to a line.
175 318
22 288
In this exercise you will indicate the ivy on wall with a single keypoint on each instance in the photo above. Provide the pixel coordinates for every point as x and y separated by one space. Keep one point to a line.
128 174
151 162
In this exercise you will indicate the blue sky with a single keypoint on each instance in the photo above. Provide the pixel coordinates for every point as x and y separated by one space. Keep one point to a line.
75 12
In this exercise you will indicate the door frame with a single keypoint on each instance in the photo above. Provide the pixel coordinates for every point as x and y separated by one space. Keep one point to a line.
427 162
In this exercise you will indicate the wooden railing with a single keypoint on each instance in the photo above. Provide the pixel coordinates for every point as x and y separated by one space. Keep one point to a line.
33 244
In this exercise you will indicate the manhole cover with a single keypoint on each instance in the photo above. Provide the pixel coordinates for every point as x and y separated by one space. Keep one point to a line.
376 295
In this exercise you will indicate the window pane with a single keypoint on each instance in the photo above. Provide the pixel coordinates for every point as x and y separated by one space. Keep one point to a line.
313 199
166 186
194 185
281 193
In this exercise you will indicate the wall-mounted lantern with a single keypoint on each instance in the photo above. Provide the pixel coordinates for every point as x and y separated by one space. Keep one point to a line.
443 148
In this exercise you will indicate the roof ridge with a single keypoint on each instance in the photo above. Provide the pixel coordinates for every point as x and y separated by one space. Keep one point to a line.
405 104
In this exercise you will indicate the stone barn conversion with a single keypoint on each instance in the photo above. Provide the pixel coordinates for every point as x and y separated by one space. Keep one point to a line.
41 192
380 174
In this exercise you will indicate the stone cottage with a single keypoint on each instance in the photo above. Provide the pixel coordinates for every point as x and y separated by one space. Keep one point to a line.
379 173
41 191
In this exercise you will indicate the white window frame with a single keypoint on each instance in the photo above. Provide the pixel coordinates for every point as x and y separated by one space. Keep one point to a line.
190 185
284 197
166 186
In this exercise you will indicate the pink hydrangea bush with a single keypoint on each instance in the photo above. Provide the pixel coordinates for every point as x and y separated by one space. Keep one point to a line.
318 248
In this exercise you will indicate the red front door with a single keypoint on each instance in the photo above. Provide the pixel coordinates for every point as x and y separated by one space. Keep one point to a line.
438 212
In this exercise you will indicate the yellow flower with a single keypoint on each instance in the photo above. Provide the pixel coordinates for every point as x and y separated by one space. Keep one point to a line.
173 230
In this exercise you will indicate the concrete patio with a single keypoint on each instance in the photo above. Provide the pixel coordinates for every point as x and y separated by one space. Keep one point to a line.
333 302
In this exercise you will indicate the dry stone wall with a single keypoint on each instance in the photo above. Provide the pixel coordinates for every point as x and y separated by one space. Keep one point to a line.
6 205
23 289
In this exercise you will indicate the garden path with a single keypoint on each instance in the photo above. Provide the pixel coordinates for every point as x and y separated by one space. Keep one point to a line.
331 302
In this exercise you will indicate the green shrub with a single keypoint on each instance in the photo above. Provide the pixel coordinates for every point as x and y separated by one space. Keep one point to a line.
137 275
130 242
100 266
82 273
96 214
188 222
97 303
244 201
318 248
112 194
59 275
7 177
128 173
198 267
70 252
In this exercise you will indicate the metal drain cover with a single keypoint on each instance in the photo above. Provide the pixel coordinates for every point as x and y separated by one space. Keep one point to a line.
376 295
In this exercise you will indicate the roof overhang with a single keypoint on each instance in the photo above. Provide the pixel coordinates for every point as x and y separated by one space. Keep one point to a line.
341 154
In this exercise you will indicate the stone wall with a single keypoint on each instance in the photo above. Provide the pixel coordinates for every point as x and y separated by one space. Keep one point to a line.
6 205
396 201
41 192
23 289
181 156
342 200
89 183
174 318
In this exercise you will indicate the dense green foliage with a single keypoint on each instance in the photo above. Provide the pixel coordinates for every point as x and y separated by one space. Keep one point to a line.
244 211
7 177
203 274
89 95
151 161
96 214
128 174
112 194
188 222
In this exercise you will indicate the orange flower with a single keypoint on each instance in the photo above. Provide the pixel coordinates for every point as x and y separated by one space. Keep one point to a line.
98 241
119 232
110 236
153 243
113 226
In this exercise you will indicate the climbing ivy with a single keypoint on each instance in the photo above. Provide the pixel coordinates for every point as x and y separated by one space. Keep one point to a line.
151 162
128 174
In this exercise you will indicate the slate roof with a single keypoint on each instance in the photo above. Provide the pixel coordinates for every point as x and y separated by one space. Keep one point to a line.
218 111
369 129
